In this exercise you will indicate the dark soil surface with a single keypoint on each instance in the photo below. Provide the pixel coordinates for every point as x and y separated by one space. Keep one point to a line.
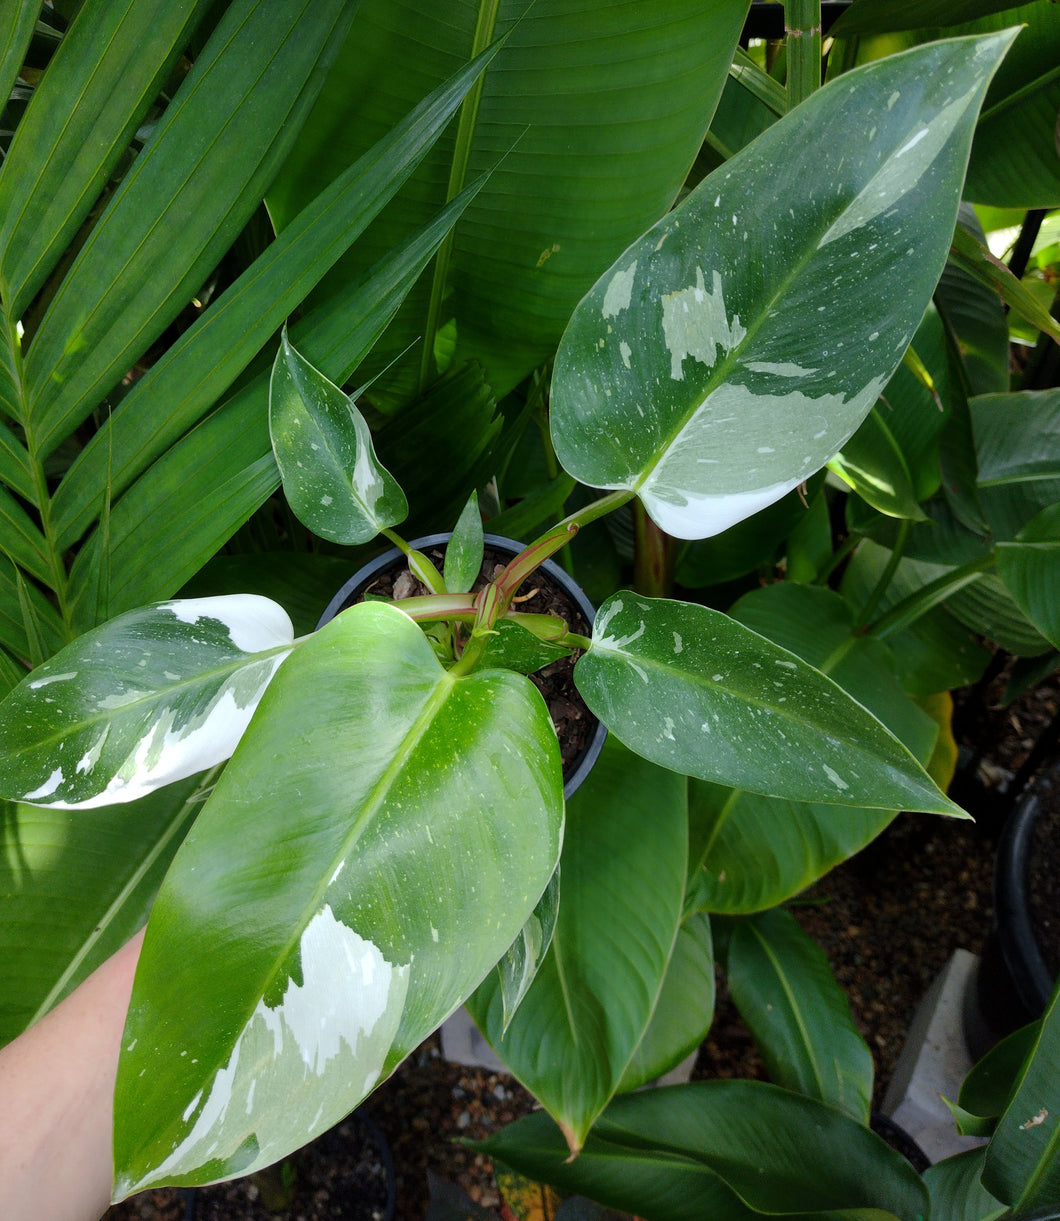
888 920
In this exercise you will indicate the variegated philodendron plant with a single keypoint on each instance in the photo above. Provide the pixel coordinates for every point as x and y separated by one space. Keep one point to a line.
392 812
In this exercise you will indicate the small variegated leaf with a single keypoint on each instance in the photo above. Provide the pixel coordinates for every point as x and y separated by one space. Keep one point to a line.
463 555
739 343
151 697
519 965
511 647
331 476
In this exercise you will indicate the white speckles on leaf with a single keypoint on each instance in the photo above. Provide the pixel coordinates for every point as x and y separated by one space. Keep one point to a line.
625 351
834 777
36 684
47 788
254 623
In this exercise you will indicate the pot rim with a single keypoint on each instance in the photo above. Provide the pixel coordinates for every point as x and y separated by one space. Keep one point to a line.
1012 907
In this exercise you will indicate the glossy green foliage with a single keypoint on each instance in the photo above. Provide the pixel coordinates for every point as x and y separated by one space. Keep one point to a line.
595 113
154 696
692 690
322 948
1030 568
331 477
957 1193
689 373
785 991
728 1150
1022 1168
623 871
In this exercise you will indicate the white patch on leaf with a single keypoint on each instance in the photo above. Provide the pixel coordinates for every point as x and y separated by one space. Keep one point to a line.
336 1026
695 324
619 291
254 623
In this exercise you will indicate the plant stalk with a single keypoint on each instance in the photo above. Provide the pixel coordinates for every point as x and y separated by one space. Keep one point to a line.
653 556
912 608
885 578
802 25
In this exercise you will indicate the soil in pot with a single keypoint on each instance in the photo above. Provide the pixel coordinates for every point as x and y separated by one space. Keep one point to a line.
575 725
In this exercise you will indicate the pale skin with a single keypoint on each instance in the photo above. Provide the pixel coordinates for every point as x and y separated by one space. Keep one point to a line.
57 1100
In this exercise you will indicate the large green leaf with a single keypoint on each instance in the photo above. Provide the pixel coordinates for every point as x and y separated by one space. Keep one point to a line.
693 690
197 181
1030 568
74 889
800 1018
727 1150
597 110
622 884
373 847
105 73
1022 1166
727 355
1017 436
758 851
956 1191
872 463
685 1010
154 696
332 479
1015 161
881 16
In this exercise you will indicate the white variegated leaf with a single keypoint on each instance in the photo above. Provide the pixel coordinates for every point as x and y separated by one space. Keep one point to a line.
738 344
151 697
331 477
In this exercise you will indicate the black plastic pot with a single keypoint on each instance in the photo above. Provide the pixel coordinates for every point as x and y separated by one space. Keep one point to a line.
1013 983
354 589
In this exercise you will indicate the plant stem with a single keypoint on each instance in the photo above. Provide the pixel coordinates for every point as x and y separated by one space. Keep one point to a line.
912 608
802 24
419 565
839 555
885 577
653 556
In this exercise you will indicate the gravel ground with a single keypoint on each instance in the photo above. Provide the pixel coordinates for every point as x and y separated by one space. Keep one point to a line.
888 920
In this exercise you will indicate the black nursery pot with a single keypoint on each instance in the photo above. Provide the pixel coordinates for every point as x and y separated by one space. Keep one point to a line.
1018 966
504 549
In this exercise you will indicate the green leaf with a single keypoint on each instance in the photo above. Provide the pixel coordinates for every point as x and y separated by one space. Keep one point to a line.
724 358
17 24
956 1192
1030 568
872 463
334 902
331 476
1014 162
883 16
151 697
511 647
105 73
623 869
570 99
685 1010
75 889
693 690
800 1018
463 555
191 374
1022 1167
188 194
987 1090
520 964
759 851
723 1150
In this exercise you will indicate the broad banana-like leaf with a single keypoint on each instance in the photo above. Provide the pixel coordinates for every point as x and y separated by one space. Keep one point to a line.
695 691
728 1150
987 1090
331 477
1017 437
154 696
883 16
597 111
1022 1167
371 850
685 1011
1030 568
736 346
957 1194
800 1018
622 884
872 463
75 889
